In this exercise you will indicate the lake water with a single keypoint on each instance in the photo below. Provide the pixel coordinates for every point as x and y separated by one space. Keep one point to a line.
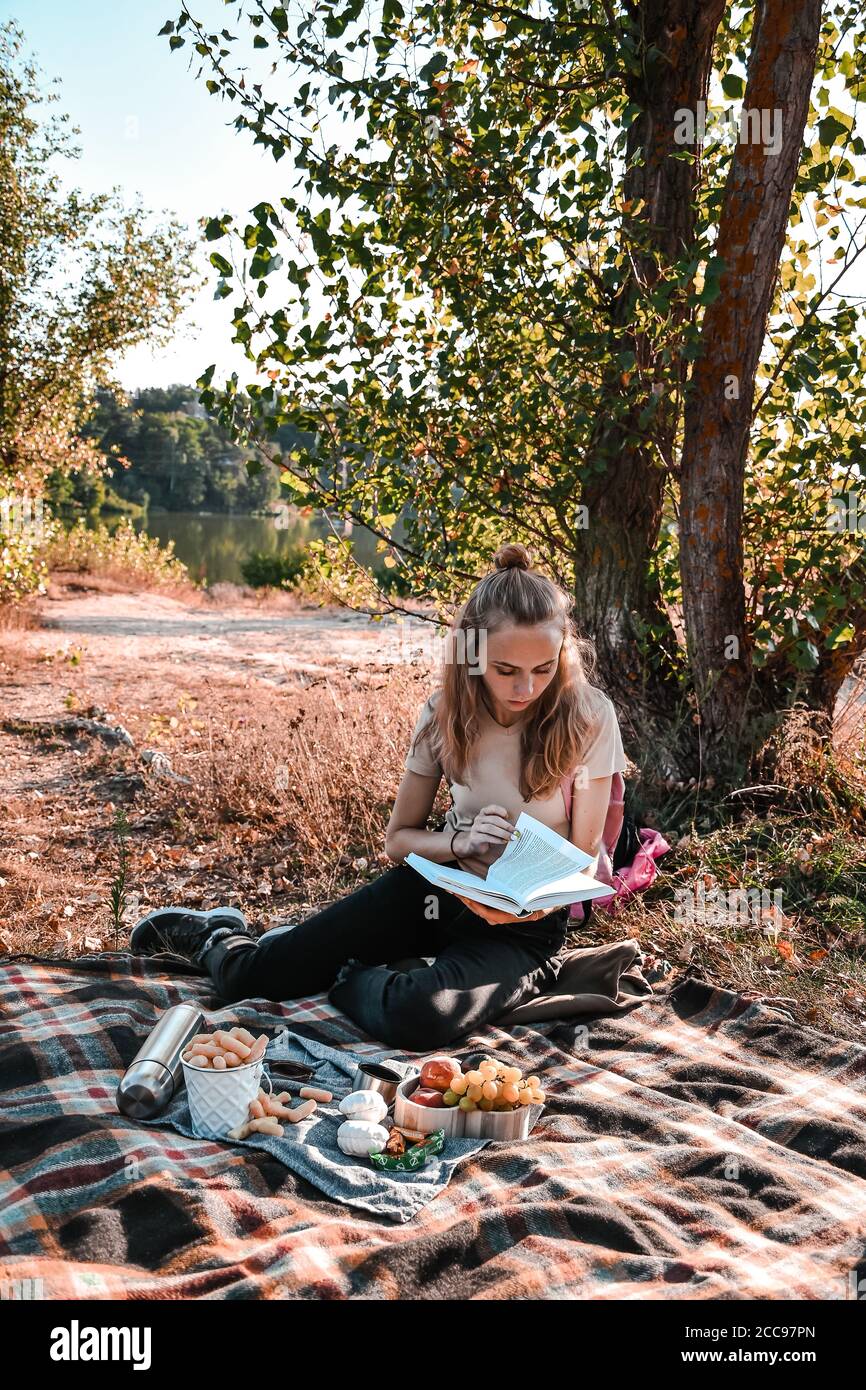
214 546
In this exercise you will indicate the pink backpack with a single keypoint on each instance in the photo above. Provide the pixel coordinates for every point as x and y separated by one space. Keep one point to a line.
628 879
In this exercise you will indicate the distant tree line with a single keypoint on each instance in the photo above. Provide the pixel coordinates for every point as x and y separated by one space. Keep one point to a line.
169 453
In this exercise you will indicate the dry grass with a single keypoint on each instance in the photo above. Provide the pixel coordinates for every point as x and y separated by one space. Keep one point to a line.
117 578
316 772
18 617
769 907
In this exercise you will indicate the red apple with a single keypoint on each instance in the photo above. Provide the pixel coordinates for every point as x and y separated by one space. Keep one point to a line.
438 1072
424 1096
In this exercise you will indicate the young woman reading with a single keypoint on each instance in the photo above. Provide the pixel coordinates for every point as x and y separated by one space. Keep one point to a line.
513 714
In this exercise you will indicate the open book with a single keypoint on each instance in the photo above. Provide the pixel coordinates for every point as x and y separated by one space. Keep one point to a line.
538 869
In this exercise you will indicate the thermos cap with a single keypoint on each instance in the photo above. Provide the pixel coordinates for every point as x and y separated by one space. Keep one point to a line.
145 1089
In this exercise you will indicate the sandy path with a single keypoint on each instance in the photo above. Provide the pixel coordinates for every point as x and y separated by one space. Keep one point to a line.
107 644
154 627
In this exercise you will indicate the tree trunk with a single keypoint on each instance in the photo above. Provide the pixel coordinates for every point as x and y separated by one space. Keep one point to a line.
751 237
618 600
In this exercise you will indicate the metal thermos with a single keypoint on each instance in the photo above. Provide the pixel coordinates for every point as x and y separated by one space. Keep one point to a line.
155 1072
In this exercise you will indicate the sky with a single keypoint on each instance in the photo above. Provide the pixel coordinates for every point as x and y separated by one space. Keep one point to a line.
148 125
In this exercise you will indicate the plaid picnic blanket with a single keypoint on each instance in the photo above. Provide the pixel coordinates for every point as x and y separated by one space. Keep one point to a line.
697 1147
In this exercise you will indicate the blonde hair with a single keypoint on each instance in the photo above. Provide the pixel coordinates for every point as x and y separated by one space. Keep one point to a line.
566 712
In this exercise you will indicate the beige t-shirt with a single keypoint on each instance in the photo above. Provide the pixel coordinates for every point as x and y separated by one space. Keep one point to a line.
495 775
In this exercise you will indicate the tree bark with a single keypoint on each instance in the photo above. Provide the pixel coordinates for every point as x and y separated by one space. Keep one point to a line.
618 600
751 237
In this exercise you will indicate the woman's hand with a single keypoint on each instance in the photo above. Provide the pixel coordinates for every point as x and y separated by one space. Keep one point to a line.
493 914
490 827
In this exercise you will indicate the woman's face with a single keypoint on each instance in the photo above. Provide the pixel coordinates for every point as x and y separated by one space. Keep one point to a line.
521 663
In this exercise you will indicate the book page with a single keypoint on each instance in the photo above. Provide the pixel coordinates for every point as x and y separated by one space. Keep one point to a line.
574 889
537 859
455 880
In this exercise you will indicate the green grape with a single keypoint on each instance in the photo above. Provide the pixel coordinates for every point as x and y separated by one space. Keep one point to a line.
485 1103
466 1104
450 1098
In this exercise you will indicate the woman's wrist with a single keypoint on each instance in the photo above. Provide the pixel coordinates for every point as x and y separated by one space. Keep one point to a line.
433 844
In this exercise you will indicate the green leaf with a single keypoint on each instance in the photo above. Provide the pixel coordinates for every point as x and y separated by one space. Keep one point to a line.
712 278
263 263
221 264
733 86
437 63
805 655
216 228
830 130
841 635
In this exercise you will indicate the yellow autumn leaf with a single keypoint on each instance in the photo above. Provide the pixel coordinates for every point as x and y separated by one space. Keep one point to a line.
291 481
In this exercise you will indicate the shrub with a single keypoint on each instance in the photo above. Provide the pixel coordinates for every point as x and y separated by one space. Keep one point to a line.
23 570
273 570
123 553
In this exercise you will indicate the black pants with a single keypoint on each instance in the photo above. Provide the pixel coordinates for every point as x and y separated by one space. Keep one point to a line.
480 971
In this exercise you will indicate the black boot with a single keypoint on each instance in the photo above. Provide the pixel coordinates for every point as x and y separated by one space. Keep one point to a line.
187 934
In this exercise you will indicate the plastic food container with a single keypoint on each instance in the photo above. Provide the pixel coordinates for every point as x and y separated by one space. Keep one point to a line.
500 1124
426 1118
463 1124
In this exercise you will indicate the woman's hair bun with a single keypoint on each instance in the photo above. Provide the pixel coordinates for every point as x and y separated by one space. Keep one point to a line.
512 557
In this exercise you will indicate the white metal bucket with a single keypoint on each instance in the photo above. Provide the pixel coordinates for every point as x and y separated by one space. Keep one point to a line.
219 1101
